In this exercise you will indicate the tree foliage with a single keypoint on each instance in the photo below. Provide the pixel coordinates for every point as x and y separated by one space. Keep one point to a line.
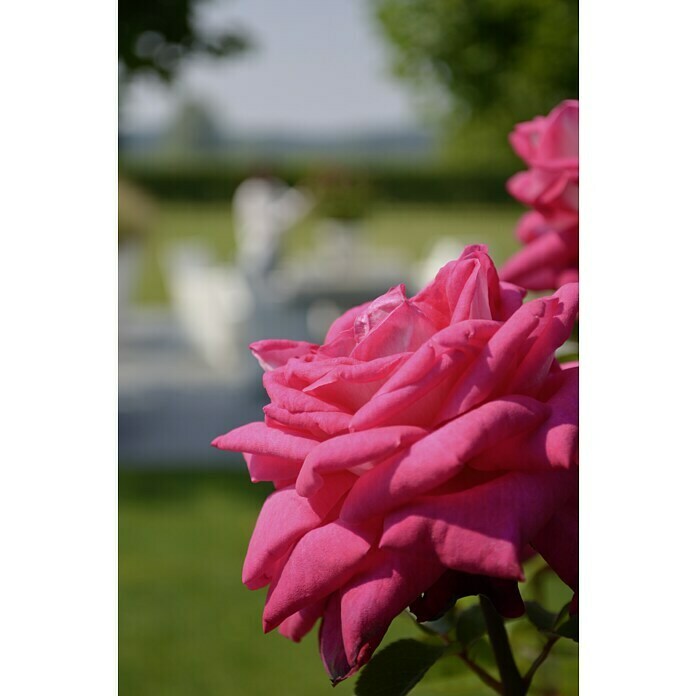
505 60
157 34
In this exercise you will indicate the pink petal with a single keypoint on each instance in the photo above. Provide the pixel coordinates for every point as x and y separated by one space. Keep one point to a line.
276 352
284 518
537 265
266 467
554 444
292 398
376 596
440 456
345 322
350 386
415 391
317 424
403 329
258 438
297 626
463 289
498 362
554 332
560 140
352 450
322 561
482 530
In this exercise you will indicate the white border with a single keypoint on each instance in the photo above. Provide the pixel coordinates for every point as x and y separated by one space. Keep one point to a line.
58 348
637 324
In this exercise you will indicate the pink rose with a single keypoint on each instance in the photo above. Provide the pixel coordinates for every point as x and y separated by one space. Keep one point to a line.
549 146
416 455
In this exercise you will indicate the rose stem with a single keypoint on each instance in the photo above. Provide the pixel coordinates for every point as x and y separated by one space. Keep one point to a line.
475 668
513 684
540 659
481 673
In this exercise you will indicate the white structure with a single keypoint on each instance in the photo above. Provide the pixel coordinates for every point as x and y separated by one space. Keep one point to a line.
212 302
264 209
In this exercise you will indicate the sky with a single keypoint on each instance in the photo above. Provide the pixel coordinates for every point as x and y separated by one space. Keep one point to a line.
317 67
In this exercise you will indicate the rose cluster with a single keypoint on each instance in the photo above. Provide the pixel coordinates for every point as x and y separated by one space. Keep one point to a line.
418 455
549 147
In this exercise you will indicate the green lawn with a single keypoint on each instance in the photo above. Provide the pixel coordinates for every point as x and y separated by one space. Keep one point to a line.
410 228
188 627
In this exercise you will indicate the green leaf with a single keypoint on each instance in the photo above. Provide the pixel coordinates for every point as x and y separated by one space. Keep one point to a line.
570 629
396 669
543 619
470 625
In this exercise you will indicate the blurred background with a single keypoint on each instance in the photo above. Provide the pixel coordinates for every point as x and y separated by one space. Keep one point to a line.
280 162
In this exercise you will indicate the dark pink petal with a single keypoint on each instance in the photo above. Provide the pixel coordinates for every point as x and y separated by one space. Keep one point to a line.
331 649
297 626
322 561
482 530
511 297
276 352
558 543
442 595
353 450
258 438
376 596
440 456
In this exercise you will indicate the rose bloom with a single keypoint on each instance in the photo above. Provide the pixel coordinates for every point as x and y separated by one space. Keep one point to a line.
418 455
549 146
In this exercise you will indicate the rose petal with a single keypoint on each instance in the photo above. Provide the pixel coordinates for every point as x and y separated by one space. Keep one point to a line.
266 467
553 444
322 561
352 450
297 626
440 456
350 386
333 654
482 530
392 325
548 320
389 583
558 543
258 438
274 353
318 424
415 391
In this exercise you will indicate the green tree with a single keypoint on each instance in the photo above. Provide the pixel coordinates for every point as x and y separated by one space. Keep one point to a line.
497 62
158 34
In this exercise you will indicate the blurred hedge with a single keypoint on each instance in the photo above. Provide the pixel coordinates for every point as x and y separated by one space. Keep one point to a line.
407 182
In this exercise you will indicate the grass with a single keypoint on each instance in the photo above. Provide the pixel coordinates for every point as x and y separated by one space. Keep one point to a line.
410 228
188 627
